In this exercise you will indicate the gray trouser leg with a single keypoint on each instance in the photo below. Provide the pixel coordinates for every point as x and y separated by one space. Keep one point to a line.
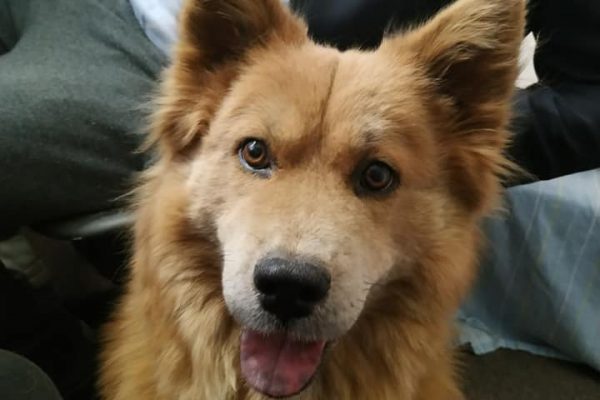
71 91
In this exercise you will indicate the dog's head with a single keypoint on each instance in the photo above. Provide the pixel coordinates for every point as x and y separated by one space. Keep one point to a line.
322 176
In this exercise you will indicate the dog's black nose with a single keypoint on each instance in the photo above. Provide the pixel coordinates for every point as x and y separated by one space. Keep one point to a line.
289 288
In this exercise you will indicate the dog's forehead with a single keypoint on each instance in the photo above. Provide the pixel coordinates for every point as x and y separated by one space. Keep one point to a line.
284 90
303 97
316 90
375 98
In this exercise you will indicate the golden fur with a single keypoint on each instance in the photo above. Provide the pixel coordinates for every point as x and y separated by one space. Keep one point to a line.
434 101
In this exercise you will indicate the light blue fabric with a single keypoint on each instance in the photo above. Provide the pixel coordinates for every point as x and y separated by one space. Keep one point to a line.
158 18
539 284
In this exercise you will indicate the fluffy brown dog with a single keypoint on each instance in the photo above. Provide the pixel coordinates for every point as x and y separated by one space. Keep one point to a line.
312 223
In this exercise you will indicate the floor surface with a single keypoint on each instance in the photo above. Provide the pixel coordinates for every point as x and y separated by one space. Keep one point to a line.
512 375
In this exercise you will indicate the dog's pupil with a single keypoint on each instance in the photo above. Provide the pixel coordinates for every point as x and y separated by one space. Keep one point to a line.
377 175
255 150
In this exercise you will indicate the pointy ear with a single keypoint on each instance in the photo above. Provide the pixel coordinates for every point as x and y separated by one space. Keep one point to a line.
215 38
469 57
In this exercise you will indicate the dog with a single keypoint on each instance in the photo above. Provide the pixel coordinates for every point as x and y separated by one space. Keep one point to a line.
311 224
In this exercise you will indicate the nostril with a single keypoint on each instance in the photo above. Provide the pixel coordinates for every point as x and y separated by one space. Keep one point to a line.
265 284
313 294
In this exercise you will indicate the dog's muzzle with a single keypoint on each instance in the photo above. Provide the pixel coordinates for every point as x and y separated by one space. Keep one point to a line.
279 364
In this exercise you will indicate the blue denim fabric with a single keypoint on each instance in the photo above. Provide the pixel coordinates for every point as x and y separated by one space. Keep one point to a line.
539 283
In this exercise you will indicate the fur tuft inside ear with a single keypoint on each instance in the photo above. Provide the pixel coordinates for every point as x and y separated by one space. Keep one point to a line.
469 54
471 51
215 36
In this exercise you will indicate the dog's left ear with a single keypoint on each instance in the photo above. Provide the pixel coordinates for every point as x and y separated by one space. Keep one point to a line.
469 54
215 39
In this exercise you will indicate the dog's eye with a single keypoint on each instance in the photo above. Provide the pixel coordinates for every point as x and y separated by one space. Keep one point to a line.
377 177
254 155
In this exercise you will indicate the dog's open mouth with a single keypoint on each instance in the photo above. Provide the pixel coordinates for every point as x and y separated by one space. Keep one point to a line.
277 364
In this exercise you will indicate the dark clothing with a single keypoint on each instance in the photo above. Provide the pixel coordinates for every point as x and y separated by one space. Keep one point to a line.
557 122
569 36
557 129
362 23
35 325
74 75
20 379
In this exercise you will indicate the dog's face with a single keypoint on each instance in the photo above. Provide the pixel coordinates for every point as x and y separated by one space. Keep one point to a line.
324 175
308 171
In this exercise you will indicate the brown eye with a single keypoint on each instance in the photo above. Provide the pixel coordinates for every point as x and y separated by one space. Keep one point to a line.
254 155
377 177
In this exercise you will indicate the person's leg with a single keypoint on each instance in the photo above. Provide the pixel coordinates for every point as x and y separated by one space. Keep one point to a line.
72 91
20 379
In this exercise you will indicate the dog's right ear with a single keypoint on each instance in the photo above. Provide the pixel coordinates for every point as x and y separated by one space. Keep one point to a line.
215 37
469 55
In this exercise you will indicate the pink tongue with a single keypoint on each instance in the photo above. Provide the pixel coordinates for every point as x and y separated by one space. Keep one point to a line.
278 365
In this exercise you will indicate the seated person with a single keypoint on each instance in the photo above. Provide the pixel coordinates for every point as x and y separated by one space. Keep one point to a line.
74 78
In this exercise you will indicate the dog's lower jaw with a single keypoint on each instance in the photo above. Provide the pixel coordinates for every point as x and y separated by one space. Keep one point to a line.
371 362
